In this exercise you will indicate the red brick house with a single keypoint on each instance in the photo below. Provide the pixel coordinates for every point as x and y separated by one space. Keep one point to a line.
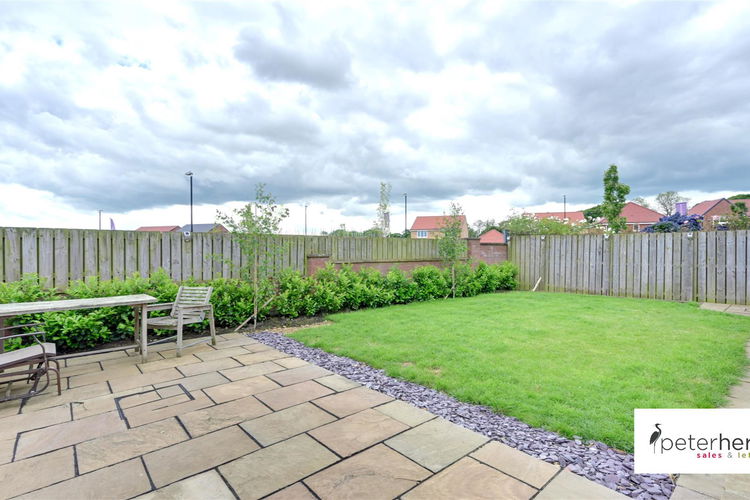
492 236
638 217
713 211
431 226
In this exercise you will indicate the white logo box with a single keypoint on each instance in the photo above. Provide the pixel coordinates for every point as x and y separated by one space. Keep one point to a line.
692 441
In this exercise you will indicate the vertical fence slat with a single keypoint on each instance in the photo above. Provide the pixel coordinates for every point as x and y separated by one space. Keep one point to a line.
62 259
721 267
131 253
76 254
742 276
45 251
90 254
731 271
105 255
118 255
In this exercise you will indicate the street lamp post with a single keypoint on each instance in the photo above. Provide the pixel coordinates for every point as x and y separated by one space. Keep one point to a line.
100 219
305 219
565 207
190 176
405 212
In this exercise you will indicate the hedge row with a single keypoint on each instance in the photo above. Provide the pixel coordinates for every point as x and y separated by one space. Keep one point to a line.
328 291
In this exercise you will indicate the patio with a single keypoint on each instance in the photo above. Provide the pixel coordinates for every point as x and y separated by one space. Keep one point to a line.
244 420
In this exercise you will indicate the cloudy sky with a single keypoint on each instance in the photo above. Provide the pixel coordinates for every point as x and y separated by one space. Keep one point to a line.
499 105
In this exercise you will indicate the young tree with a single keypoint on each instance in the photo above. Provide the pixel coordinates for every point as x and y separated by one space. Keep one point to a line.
252 224
666 201
593 214
614 200
384 215
739 218
450 245
641 201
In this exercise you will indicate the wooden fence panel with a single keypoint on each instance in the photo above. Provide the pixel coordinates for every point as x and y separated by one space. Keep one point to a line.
701 266
62 258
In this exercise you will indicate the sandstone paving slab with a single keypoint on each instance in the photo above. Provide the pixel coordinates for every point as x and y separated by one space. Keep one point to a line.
102 404
213 365
259 357
236 341
72 371
50 398
94 377
297 491
123 480
406 413
6 450
277 466
221 353
36 472
217 417
240 389
300 374
247 371
169 389
468 478
516 463
437 443
68 433
152 366
197 455
128 444
161 409
708 484
682 493
291 395
569 485
259 347
171 353
714 307
357 432
83 360
738 484
377 473
155 377
205 486
292 363
12 425
286 423
196 382
352 401
337 382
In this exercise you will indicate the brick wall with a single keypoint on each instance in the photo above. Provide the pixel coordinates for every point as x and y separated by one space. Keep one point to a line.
491 253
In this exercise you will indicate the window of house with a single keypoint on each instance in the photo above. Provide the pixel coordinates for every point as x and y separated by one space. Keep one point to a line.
421 234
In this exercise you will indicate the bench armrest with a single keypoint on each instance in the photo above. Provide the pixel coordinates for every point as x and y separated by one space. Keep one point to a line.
20 326
28 334
159 307
201 307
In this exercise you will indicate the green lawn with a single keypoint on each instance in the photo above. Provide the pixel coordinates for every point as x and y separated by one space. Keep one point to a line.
575 364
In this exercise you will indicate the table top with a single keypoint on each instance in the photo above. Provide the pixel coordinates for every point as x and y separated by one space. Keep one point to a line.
17 308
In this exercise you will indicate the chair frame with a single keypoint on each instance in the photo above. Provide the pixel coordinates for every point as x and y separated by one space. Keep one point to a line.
179 313
42 362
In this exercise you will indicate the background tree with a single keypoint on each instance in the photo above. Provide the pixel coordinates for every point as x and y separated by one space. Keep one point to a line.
451 247
384 216
528 224
479 227
741 196
252 224
666 201
614 200
738 219
593 214
641 201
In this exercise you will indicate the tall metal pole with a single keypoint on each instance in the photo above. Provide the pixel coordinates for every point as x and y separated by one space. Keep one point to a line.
100 219
405 212
565 208
305 219
190 175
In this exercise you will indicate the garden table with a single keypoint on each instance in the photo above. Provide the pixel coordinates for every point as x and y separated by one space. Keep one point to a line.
137 302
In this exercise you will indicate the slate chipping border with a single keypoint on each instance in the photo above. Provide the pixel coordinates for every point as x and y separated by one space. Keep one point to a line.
593 460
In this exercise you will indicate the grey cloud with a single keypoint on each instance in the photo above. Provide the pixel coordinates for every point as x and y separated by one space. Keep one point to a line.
324 65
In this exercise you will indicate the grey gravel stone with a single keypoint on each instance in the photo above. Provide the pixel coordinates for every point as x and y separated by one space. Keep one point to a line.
593 460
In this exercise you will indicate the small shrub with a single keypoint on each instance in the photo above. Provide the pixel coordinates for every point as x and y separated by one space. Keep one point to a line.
430 282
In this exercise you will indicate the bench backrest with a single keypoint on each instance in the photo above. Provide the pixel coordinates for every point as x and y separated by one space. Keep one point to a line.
192 296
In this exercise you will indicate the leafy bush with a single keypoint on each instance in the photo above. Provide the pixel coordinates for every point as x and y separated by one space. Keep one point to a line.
675 223
329 290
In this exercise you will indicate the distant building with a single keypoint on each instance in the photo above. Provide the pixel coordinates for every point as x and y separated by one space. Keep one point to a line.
492 236
431 226
638 217
715 211
159 229
574 217
205 228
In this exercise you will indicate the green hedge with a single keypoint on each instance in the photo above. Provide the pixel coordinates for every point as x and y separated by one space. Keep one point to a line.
329 291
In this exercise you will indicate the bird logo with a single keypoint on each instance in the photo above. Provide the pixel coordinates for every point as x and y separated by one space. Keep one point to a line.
654 436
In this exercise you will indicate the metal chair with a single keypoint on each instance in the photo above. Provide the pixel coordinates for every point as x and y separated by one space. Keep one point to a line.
41 354
192 305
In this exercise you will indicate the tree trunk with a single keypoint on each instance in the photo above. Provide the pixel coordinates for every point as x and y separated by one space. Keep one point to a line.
255 292
453 280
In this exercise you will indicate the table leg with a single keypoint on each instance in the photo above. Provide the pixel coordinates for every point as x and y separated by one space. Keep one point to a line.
137 327
144 334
